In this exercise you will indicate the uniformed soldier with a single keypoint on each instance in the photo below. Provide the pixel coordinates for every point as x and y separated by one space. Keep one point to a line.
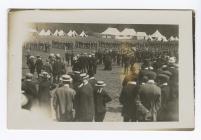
31 64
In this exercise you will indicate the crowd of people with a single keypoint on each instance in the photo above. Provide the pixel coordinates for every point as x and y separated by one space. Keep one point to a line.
148 94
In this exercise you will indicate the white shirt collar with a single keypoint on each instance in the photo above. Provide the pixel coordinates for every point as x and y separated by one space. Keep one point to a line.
151 81
66 85
165 84
132 82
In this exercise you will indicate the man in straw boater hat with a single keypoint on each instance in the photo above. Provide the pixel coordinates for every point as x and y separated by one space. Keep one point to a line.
85 101
101 97
63 100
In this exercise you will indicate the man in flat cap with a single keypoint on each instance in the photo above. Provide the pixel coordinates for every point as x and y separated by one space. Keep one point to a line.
63 100
150 96
101 97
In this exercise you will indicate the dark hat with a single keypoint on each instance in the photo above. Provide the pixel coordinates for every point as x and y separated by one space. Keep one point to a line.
100 84
168 73
163 77
144 79
151 75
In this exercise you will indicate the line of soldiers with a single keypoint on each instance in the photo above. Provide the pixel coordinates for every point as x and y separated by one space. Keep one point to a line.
151 94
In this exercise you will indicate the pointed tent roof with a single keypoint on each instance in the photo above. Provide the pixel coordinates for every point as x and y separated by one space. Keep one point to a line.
56 33
128 31
70 33
176 38
171 38
74 33
157 34
83 34
42 32
111 31
48 33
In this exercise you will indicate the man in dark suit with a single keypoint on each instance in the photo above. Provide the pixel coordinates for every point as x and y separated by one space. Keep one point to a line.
30 91
150 96
165 96
127 99
85 101
101 97
38 65
63 100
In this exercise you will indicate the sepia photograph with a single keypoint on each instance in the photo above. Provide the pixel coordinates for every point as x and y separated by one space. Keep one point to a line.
106 70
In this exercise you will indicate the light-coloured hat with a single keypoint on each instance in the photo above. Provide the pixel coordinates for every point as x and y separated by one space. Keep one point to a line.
66 78
172 60
76 72
100 84
58 55
29 76
84 75
31 57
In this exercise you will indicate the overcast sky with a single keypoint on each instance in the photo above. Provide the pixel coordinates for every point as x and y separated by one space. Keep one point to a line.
167 30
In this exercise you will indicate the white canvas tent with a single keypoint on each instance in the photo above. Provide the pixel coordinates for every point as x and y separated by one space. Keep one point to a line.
70 33
111 31
141 35
61 33
74 33
176 38
56 33
156 35
42 32
149 38
127 33
48 33
83 34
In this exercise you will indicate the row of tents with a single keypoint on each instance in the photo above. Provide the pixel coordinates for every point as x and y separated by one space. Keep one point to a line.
129 33
126 34
71 33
